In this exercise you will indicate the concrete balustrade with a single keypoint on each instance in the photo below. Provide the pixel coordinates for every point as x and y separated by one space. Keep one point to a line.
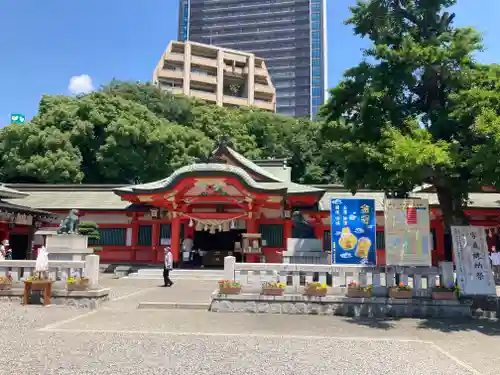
337 277
60 270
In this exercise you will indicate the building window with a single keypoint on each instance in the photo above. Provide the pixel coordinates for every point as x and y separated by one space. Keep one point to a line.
145 237
316 92
316 26
110 237
166 232
316 36
316 53
272 234
316 62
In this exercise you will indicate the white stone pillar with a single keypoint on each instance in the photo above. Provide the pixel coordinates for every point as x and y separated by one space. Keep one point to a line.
446 271
229 263
92 269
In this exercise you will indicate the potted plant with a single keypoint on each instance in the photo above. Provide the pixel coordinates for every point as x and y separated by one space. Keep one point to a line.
5 282
91 230
315 289
401 291
229 287
450 292
273 288
354 290
77 283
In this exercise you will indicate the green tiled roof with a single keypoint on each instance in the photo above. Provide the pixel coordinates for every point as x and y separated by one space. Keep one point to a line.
202 169
248 163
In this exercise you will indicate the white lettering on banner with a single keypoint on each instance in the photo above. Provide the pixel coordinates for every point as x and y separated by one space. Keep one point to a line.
474 274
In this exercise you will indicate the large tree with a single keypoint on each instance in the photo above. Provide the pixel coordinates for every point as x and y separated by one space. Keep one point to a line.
408 114
131 132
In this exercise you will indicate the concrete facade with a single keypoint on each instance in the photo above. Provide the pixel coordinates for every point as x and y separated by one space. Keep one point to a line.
220 76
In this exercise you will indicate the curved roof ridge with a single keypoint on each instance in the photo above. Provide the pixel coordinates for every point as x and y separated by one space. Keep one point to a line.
200 167
251 165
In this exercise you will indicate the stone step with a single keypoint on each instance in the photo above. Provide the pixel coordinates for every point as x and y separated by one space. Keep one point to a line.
178 274
174 305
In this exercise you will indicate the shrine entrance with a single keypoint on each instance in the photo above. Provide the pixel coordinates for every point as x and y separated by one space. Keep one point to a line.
215 246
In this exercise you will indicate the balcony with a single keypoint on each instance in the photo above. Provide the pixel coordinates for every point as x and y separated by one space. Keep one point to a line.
235 100
207 96
170 74
174 57
266 106
203 61
203 78
265 89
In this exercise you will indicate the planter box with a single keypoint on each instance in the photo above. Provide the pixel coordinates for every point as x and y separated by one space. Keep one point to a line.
400 294
272 291
313 292
5 286
356 293
230 290
77 287
444 296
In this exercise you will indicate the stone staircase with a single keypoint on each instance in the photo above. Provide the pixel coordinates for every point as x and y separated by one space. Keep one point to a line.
177 274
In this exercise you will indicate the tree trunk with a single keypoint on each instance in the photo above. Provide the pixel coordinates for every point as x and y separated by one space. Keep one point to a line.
452 207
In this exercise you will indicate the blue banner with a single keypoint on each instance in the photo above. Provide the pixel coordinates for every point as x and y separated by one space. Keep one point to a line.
354 231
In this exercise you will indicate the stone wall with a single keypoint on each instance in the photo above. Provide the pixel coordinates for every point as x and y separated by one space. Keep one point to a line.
88 299
340 305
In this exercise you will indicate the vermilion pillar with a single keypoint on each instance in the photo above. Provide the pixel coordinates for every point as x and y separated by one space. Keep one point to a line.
288 229
176 238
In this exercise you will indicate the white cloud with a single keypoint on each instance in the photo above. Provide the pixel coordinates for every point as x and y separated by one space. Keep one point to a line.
81 84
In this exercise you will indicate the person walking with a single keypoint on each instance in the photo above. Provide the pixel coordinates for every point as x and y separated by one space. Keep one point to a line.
167 267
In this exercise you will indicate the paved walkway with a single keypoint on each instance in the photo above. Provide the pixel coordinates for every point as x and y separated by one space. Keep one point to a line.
121 339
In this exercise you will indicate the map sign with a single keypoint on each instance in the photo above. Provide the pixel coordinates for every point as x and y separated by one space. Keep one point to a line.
407 232
17 119
474 274
353 231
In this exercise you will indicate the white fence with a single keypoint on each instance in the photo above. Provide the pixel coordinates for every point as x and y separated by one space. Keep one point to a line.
59 270
337 277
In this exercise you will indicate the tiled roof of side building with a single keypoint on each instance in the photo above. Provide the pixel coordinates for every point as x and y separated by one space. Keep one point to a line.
66 197
101 197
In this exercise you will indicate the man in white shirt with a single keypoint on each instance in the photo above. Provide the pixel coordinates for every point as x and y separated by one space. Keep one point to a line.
167 267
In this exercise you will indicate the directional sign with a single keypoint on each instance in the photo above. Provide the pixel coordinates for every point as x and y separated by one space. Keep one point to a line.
18 119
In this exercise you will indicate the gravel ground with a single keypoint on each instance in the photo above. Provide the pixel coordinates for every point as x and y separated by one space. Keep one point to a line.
121 339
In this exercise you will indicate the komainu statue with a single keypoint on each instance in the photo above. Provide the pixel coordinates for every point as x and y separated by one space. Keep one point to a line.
301 228
70 223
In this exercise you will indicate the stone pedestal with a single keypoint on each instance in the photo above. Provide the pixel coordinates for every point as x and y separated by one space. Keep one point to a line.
68 247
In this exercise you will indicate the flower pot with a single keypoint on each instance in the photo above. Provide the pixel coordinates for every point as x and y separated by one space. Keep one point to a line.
400 294
5 286
444 296
272 291
357 293
314 292
230 290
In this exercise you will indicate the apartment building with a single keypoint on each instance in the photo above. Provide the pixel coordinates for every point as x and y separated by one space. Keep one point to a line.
217 75
289 34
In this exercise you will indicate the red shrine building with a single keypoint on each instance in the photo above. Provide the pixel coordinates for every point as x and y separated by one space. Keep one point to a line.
220 203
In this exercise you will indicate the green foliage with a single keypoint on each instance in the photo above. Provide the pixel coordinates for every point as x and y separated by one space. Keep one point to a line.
89 229
129 132
412 111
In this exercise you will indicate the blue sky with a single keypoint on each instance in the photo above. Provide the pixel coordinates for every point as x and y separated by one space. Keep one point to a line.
45 43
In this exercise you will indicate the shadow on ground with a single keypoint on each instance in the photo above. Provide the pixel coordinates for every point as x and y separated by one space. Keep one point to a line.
484 326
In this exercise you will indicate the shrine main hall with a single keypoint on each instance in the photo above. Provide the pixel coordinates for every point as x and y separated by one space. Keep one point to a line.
222 205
